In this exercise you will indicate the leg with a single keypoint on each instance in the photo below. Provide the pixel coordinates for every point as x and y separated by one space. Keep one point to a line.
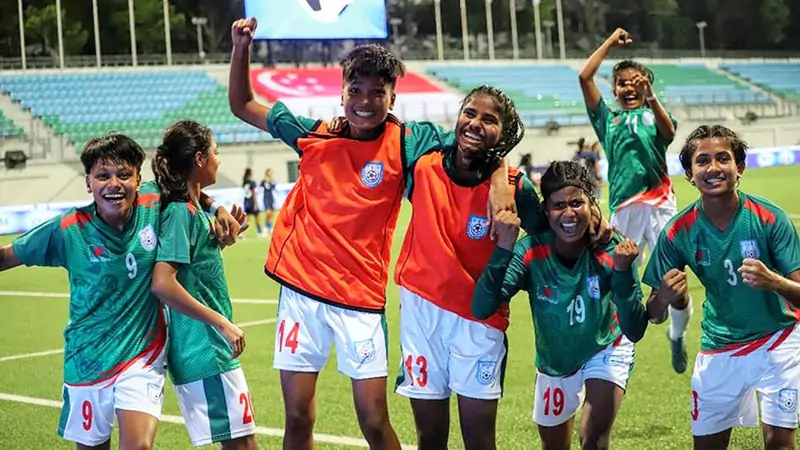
137 430
369 396
716 441
242 443
299 400
558 437
776 438
104 446
603 399
432 419
556 400
478 423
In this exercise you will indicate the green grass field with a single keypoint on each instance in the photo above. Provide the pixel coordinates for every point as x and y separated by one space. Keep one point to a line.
654 415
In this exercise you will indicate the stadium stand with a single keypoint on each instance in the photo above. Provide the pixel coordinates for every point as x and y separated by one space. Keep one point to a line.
140 104
545 93
782 79
8 129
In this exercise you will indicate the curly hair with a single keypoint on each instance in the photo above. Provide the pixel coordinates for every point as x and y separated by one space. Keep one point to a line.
561 174
737 145
112 148
631 64
174 158
372 60
511 136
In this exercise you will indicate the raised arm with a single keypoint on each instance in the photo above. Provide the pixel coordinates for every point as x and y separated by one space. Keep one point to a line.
591 95
240 95
626 293
504 275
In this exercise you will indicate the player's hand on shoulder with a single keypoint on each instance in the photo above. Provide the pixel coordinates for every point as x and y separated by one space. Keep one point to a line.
625 253
337 125
674 286
243 30
620 37
756 275
234 336
507 228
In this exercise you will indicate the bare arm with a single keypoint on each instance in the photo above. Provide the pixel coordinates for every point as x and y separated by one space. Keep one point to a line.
240 95
8 259
591 95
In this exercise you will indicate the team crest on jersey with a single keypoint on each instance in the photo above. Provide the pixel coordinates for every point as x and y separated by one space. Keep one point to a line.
477 227
750 249
364 351
98 253
787 399
547 294
486 372
148 239
593 286
372 174
648 118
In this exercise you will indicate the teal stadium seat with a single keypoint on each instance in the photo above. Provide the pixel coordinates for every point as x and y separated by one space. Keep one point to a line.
139 104
782 79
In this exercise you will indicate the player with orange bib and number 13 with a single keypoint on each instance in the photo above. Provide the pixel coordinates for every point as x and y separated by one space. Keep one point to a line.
746 253
635 139
586 305
331 246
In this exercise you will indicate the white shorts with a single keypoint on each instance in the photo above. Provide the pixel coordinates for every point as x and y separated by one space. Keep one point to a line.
642 223
557 399
307 328
444 352
218 408
88 413
725 384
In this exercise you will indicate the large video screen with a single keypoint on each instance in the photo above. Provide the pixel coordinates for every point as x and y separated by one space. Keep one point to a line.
318 19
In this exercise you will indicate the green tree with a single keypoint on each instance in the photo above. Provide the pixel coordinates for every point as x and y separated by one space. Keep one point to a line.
41 27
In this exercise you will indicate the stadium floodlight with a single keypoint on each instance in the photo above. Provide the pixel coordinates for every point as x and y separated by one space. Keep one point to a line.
199 22
700 30
489 28
464 31
22 35
437 9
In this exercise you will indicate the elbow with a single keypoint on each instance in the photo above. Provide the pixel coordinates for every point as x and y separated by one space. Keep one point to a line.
158 287
584 78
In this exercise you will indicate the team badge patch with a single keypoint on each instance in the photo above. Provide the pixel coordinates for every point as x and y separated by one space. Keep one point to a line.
148 239
648 118
787 399
547 294
155 393
486 372
750 249
477 227
372 174
614 360
364 351
593 286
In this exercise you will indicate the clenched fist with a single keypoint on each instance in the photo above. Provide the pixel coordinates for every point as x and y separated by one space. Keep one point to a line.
242 31
506 225
625 253
673 287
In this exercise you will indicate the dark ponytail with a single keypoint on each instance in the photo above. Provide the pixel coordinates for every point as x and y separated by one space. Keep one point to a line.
174 158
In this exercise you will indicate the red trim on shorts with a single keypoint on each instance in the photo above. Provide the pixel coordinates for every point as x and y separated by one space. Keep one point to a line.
746 348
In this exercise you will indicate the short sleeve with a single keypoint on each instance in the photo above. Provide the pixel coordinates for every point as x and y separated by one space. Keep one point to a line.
599 119
665 258
44 244
423 137
174 237
784 244
287 127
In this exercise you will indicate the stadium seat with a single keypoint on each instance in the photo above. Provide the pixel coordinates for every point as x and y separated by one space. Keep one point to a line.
782 79
140 104
8 129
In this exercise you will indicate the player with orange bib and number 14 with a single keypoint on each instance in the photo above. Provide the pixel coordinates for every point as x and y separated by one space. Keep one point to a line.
746 253
586 305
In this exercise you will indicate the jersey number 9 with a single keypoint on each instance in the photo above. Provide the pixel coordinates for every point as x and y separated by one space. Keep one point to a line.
130 264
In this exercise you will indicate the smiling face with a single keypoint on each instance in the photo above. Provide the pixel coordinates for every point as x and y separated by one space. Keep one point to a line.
479 125
113 186
206 166
624 90
366 102
569 212
714 170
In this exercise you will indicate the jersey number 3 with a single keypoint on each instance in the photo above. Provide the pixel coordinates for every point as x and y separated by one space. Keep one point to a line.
731 278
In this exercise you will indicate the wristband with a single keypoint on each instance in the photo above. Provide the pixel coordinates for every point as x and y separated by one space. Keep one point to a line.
213 208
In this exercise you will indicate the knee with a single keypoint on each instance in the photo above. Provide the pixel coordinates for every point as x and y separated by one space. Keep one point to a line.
135 443
778 440
594 441
432 438
374 426
299 420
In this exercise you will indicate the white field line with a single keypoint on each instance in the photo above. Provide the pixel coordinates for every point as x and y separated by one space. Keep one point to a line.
252 301
61 350
264 431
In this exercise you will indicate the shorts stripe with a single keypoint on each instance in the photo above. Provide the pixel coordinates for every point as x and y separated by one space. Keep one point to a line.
65 410
218 419
503 366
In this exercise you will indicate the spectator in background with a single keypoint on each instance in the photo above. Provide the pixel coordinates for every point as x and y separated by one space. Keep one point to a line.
526 167
250 206
590 157
268 185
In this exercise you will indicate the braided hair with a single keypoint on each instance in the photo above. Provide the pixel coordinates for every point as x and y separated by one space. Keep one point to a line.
174 158
737 145
489 159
